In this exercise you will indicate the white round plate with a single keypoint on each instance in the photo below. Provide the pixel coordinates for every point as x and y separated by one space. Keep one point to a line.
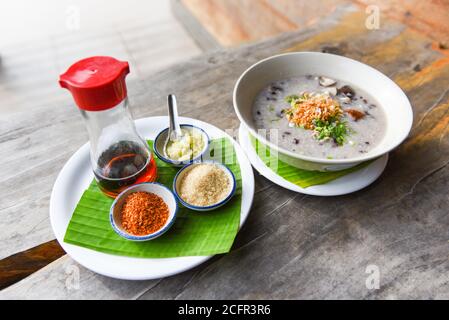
76 176
350 183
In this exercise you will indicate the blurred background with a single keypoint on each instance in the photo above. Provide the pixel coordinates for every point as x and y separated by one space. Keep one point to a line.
40 39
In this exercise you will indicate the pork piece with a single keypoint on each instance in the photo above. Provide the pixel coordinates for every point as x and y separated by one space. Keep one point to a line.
355 114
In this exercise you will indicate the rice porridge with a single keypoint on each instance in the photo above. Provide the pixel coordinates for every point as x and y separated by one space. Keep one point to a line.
320 117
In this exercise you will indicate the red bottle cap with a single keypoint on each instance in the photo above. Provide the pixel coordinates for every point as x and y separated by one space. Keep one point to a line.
96 83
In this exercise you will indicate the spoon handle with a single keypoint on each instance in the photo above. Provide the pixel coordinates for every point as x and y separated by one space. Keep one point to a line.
174 128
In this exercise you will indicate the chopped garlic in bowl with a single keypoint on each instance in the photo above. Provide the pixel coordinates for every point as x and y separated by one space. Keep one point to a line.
188 147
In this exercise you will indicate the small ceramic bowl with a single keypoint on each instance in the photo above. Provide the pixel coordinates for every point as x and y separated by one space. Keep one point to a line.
152 187
159 142
185 169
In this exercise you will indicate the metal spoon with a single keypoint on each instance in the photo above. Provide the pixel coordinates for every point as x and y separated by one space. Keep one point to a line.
174 129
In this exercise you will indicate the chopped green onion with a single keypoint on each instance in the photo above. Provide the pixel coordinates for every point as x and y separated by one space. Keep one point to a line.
291 98
331 129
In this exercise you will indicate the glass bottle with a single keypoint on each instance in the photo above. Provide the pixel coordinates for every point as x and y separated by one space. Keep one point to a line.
119 156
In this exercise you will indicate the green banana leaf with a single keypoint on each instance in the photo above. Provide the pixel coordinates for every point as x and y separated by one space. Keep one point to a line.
300 177
193 233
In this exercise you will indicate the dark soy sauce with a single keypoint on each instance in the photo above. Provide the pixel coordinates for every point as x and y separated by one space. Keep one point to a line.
122 165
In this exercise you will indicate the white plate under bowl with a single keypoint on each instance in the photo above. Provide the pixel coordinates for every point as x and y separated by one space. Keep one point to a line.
76 176
347 184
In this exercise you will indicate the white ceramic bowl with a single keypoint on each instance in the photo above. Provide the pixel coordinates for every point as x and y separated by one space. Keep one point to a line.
185 169
161 138
389 96
153 187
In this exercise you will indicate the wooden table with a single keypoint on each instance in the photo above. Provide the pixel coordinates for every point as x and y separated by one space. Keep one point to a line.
232 22
292 245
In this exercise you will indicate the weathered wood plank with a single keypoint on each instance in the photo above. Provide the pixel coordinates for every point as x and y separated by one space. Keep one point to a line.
427 17
293 246
29 70
21 265
233 22
65 279
198 33
326 254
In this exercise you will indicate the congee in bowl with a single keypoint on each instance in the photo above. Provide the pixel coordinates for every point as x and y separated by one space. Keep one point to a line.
319 116
320 111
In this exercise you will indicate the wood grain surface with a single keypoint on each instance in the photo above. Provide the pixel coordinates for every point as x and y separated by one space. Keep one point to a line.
233 22
20 265
292 245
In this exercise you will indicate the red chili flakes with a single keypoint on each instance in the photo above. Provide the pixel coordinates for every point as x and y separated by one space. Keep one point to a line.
143 213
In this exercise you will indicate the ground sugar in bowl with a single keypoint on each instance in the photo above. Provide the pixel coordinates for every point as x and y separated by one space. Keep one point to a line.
204 186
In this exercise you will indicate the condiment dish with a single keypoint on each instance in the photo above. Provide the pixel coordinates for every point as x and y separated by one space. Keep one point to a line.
388 95
161 139
180 175
152 187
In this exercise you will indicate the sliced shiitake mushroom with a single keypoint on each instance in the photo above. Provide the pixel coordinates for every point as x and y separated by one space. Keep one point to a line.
347 91
345 99
326 82
331 91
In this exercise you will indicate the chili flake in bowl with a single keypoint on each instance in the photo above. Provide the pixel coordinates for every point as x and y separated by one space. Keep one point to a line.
143 212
